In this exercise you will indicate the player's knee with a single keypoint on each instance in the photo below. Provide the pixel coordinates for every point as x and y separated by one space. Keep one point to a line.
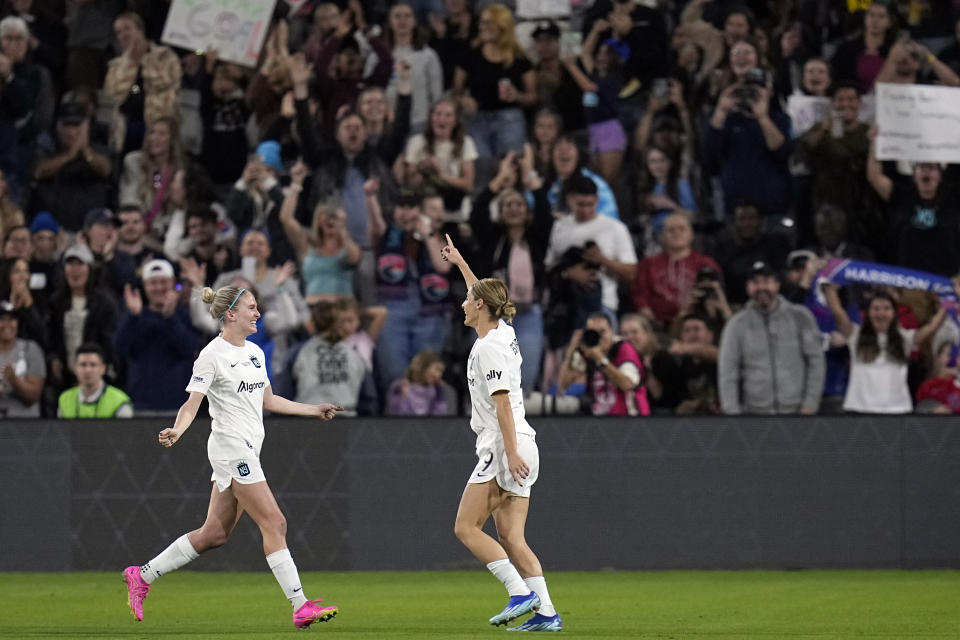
463 529
277 524
512 540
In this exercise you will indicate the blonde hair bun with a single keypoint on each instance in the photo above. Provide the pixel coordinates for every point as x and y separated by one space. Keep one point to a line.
207 295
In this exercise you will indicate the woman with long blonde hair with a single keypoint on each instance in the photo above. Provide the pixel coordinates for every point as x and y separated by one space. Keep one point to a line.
148 174
495 82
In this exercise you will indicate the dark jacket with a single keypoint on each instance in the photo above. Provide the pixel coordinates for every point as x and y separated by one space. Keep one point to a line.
159 354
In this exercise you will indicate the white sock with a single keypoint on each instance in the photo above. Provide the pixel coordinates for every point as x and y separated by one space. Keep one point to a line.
539 585
285 571
179 553
508 575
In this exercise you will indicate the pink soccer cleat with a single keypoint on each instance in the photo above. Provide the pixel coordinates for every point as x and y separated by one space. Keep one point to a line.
311 612
137 590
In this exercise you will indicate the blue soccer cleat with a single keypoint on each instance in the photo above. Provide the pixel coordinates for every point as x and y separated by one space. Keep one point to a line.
541 623
518 606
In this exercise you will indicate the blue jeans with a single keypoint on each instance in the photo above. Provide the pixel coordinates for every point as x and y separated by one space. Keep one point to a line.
405 333
529 329
497 132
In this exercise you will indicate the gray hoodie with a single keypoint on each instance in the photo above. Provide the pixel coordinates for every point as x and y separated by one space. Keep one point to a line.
771 362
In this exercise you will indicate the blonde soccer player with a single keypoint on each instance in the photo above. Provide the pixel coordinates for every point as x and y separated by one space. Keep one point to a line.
231 372
507 450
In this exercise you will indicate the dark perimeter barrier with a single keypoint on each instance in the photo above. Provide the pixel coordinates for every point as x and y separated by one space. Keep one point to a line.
710 493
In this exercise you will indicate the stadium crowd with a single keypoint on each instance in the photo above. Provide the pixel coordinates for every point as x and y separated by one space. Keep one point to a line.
630 168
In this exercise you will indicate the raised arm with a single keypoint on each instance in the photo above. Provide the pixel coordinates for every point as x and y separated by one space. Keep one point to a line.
875 176
933 324
452 255
844 325
295 232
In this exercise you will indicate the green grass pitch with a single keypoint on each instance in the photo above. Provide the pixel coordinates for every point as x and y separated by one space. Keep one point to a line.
686 604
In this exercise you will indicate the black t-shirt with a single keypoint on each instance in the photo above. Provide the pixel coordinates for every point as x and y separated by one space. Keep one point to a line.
483 78
926 232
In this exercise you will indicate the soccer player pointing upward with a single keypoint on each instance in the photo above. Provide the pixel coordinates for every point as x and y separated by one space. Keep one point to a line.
231 372
507 450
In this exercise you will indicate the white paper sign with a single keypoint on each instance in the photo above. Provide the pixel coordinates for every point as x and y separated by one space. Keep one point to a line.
533 9
806 111
918 123
235 28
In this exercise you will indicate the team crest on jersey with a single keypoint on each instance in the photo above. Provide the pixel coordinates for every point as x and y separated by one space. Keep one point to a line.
515 346
255 362
243 469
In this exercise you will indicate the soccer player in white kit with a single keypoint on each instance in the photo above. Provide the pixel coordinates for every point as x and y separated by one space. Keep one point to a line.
231 373
509 461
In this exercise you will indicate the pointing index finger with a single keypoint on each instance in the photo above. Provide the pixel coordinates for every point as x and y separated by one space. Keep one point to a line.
449 241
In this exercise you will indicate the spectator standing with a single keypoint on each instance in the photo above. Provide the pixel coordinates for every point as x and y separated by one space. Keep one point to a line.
547 127
148 174
89 36
567 161
412 284
748 140
387 130
443 156
496 82
694 368
860 59
340 69
453 35
514 249
15 288
556 87
742 244
837 154
22 369
327 253
156 341
408 46
327 366
100 235
879 353
771 358
924 215
421 391
143 83
611 368
285 310
80 311
603 63
912 63
93 397
38 85
662 283
606 242
224 114
132 237
72 173
661 192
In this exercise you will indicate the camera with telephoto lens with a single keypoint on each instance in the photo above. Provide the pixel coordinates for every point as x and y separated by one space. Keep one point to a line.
706 276
590 338
749 89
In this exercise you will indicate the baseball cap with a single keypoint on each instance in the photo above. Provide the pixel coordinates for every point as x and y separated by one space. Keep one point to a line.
72 113
44 221
269 152
100 215
546 28
14 24
761 268
157 268
80 252
796 259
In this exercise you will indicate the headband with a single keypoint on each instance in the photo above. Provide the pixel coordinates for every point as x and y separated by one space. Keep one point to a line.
239 293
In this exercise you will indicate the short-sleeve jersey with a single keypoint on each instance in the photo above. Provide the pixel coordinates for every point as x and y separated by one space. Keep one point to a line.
494 365
233 379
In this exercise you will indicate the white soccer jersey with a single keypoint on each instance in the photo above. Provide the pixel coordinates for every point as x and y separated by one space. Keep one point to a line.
494 365
233 379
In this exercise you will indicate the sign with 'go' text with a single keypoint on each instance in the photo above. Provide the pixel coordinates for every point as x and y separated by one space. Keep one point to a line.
235 28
